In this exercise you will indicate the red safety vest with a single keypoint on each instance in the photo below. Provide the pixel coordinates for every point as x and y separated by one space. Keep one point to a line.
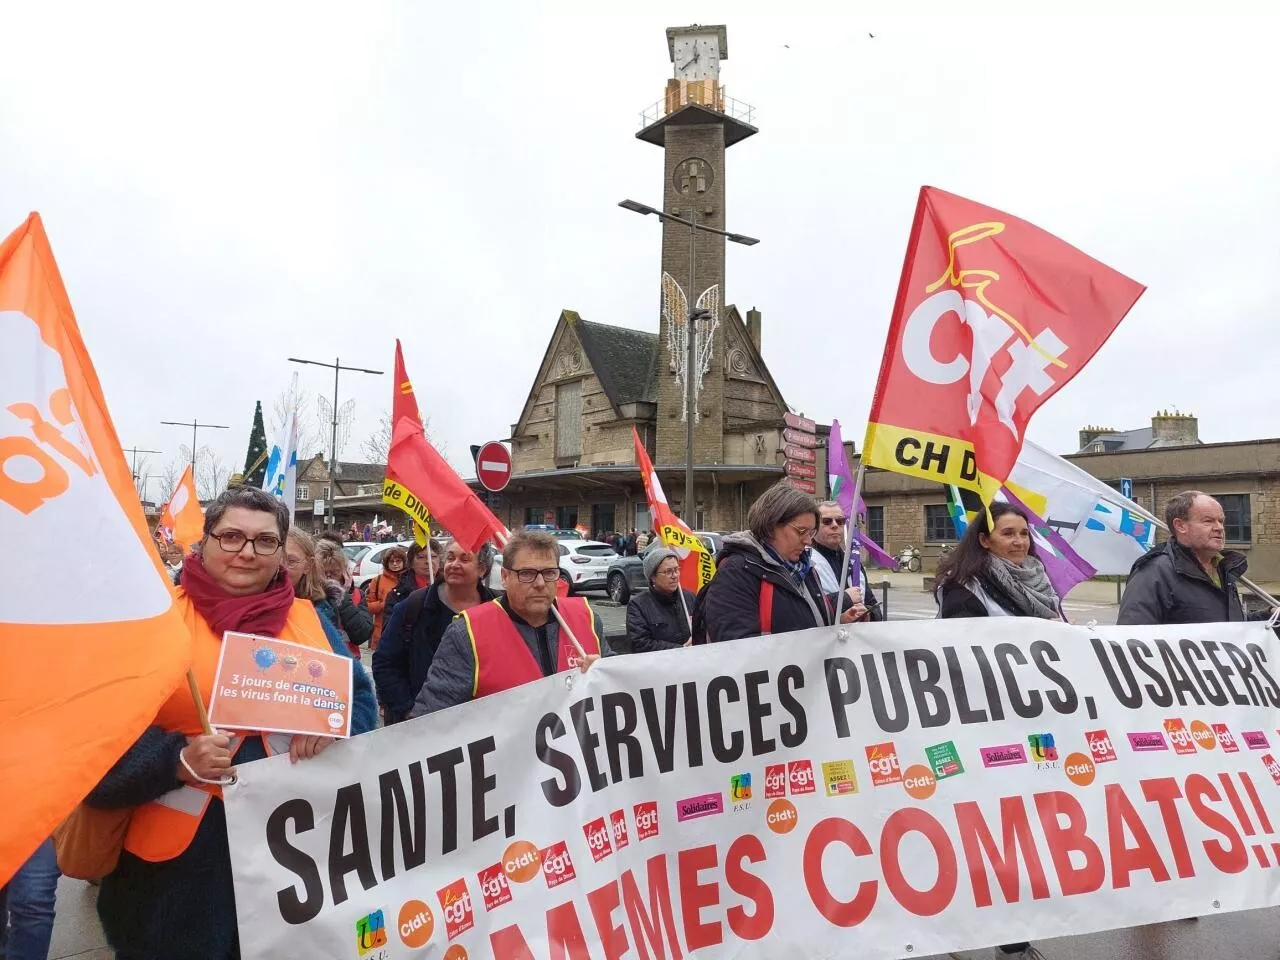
503 659
162 829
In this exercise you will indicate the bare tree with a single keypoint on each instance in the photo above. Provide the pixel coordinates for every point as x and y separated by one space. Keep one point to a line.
377 445
168 476
211 473
140 475
311 438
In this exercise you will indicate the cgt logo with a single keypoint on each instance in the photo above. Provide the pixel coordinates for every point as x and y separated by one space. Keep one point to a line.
781 816
882 759
1042 747
618 826
455 904
646 815
371 933
775 781
1179 736
1225 738
800 777
1272 766
521 861
557 867
494 889
1100 746
597 835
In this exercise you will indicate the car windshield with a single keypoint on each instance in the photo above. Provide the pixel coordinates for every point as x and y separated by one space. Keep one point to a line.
355 551
595 550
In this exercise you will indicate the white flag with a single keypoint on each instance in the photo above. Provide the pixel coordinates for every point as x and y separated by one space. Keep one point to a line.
281 478
1107 529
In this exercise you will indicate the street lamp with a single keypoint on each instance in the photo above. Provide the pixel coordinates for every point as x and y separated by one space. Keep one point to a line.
694 315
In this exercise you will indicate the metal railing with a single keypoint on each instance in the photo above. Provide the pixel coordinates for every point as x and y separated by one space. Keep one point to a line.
731 108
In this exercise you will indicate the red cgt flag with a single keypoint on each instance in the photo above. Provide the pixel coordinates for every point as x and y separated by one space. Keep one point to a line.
993 316
417 466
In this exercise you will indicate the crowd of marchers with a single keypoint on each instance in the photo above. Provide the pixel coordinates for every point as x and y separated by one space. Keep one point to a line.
439 636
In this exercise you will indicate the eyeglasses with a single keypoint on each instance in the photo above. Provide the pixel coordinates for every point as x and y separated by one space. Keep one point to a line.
673 572
233 541
294 562
530 574
805 533
833 521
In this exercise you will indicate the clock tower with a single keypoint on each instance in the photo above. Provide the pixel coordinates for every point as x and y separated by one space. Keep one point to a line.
694 123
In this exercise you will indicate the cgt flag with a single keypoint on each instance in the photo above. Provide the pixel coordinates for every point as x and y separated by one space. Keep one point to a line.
121 647
993 316
425 481
182 520
697 566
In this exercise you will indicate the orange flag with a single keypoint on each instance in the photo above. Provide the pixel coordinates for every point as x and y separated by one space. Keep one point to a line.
697 566
81 680
182 520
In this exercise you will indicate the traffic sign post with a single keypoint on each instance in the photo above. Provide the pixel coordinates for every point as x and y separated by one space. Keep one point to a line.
493 467
1126 487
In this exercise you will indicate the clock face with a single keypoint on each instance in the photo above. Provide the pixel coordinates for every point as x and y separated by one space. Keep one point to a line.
696 58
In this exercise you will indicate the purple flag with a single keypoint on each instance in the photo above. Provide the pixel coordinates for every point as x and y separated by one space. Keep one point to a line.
841 480
1063 566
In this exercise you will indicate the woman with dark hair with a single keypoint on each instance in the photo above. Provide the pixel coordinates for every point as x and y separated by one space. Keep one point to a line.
377 590
418 568
994 572
356 620
765 581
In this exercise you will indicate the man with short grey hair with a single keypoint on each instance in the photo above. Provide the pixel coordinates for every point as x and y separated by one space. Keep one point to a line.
828 557
1191 577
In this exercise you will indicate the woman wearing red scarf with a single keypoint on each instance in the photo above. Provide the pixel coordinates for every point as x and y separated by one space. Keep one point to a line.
171 893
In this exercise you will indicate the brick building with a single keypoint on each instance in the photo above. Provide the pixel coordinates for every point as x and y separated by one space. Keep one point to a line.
1160 461
573 456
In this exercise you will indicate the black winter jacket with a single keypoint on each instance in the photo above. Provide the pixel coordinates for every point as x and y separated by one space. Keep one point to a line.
356 620
404 655
657 621
728 608
835 559
1167 585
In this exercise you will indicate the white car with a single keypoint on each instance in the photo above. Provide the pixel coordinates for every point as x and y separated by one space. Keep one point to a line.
368 566
584 565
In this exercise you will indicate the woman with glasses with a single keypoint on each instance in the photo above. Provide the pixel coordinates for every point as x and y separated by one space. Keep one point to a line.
658 618
418 568
765 581
379 589
302 558
170 894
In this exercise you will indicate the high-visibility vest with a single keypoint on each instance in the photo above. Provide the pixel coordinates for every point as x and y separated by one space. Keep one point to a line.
504 660
163 829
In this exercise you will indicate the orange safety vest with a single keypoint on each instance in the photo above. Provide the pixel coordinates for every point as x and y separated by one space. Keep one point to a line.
163 829
503 659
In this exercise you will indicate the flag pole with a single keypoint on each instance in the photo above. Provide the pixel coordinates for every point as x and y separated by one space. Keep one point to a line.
850 526
201 712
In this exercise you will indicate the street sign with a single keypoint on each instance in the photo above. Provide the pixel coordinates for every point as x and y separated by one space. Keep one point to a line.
799 438
493 467
807 486
317 508
1126 487
799 423
806 470
803 454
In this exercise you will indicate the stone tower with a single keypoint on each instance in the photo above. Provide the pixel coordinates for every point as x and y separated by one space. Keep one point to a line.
694 123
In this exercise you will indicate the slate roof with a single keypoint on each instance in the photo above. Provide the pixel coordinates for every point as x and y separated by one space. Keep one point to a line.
624 360
1140 439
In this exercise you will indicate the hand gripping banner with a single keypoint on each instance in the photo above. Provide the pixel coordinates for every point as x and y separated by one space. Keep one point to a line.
866 792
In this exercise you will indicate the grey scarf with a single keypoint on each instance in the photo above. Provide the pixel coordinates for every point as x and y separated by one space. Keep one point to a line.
1026 586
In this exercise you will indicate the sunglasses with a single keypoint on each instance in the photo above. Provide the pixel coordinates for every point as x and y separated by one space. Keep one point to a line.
833 521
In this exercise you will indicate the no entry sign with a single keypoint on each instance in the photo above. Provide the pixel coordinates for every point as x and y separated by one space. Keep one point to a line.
493 466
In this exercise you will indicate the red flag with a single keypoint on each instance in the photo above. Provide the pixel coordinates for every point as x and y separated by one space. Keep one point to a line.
993 316
697 566
417 466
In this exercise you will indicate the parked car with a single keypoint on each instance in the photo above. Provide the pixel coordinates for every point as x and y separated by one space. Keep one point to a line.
584 565
626 574
368 566
355 549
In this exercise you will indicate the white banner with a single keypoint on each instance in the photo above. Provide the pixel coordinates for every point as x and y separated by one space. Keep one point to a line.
910 789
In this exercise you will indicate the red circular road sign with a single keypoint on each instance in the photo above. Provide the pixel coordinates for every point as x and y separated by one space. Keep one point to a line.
493 466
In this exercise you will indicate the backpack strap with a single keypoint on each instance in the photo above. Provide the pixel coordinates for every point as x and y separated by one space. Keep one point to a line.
411 617
766 607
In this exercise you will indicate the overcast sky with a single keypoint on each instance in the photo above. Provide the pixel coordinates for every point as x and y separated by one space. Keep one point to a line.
224 191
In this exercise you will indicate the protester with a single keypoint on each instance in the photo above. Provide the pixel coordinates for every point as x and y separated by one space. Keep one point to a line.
765 581
303 563
331 537
658 618
378 589
171 892
514 639
642 541
414 628
416 576
27 907
629 545
356 620
828 557
1191 577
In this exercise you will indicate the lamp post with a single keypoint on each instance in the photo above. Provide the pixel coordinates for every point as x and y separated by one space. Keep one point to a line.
695 315
337 368
196 426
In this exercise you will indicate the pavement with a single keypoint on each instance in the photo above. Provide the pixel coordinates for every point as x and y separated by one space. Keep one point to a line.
1252 934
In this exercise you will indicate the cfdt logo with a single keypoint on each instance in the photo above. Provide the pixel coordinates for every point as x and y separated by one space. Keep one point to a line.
416 923
521 861
1043 749
781 816
371 934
